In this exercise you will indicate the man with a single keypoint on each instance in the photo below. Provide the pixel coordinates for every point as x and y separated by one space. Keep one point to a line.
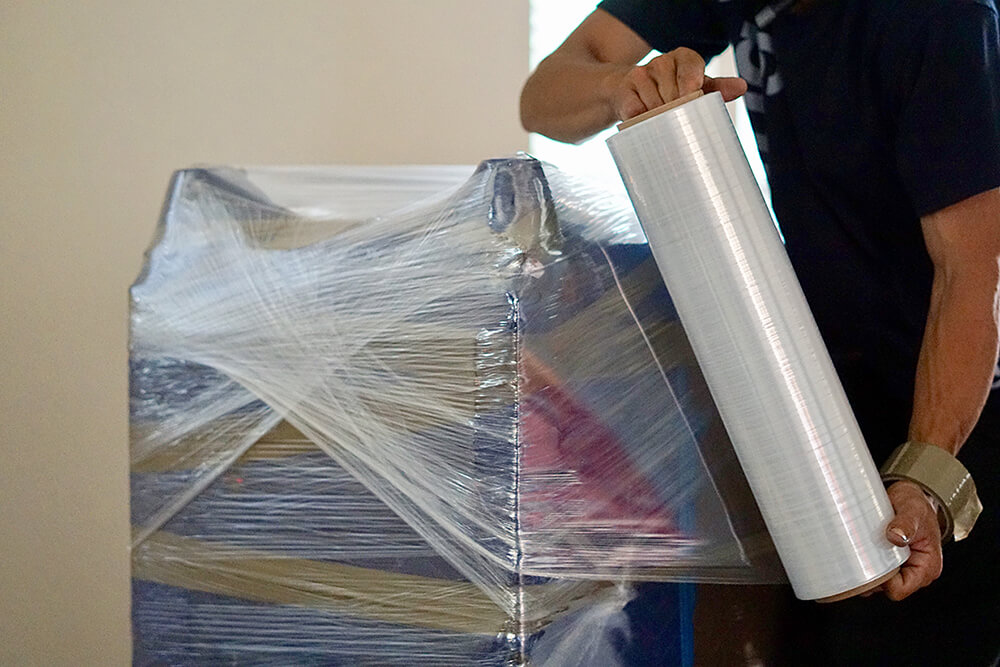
879 125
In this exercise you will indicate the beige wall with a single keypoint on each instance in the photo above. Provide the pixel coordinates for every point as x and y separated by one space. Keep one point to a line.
99 102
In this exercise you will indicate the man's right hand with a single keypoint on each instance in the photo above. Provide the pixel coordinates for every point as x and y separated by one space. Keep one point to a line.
592 81
640 88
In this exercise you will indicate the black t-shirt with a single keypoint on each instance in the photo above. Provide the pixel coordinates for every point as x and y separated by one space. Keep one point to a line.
869 114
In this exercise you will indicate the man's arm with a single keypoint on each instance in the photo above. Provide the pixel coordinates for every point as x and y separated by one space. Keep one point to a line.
592 81
959 350
955 369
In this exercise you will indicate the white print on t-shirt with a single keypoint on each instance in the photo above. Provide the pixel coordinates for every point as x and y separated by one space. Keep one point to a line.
756 64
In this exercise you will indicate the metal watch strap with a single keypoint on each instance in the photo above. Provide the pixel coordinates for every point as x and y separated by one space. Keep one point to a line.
944 478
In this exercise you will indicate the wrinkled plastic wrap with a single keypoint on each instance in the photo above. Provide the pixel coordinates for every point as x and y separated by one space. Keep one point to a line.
417 415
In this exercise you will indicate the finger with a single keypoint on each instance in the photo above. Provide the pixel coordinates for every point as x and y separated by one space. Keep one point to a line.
634 94
663 72
904 583
690 68
911 507
921 569
898 534
895 588
629 105
910 578
731 87
648 91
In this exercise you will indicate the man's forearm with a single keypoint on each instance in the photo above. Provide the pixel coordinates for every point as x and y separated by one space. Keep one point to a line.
567 98
957 359
959 350
593 80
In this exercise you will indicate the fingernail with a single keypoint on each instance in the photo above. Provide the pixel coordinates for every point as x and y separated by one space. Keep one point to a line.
900 534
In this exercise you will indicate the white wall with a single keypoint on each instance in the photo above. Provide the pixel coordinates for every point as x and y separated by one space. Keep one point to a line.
99 102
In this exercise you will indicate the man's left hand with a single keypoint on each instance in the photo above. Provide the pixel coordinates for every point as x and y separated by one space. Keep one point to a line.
915 526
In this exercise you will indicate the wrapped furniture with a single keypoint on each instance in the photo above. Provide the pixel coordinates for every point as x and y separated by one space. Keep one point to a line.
418 415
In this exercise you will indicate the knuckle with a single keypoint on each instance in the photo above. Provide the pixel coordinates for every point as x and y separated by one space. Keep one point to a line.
690 71
637 76
632 110
628 108
661 64
685 55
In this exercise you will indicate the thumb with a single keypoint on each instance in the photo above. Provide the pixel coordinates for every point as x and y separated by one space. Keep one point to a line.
731 87
901 532
908 501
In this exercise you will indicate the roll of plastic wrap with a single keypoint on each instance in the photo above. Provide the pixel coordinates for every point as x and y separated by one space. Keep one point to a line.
758 346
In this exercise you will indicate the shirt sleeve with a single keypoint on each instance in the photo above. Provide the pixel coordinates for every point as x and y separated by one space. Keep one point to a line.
948 129
667 25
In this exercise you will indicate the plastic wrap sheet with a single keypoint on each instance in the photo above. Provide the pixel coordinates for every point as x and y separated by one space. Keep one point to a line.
420 415
756 341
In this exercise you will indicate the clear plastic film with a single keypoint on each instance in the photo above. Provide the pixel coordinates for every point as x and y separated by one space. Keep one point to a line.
424 415
756 341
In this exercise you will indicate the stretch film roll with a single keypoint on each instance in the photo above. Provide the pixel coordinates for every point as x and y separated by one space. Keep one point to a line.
755 339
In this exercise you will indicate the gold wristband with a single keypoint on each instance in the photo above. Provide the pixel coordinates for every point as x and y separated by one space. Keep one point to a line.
942 477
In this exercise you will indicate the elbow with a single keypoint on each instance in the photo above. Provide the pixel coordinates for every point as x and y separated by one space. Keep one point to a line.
535 118
531 119
527 118
538 110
